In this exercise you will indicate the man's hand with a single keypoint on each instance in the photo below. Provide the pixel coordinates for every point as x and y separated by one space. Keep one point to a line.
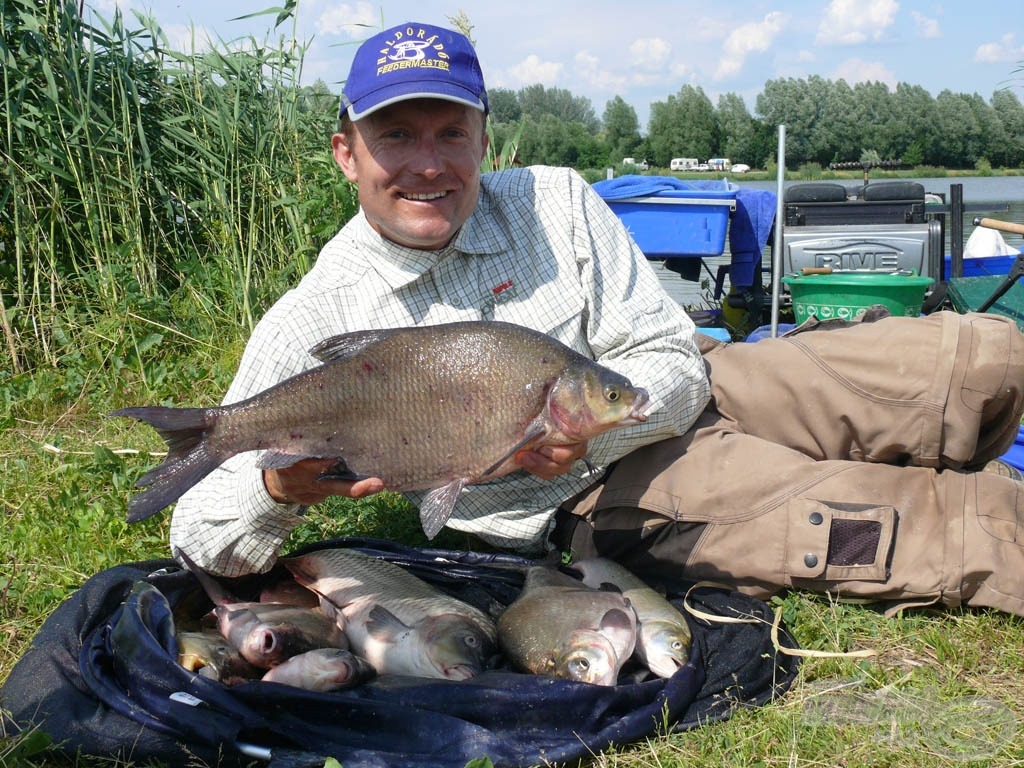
301 484
550 461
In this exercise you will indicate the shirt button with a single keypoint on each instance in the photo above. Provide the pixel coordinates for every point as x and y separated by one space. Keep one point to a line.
810 560
816 518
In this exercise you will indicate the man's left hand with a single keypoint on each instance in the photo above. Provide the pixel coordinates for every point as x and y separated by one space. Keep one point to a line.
550 461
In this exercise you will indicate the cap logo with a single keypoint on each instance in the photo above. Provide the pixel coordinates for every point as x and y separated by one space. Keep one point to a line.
412 49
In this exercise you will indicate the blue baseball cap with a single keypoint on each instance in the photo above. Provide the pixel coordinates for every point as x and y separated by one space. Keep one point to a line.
413 61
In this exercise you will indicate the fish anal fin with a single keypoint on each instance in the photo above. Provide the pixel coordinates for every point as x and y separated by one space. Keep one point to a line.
437 506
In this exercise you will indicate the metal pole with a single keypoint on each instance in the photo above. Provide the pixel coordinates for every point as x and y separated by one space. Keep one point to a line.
777 244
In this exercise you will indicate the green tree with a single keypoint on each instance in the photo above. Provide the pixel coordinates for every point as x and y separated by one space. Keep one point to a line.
621 130
1010 113
503 105
737 129
683 126
960 130
547 139
536 100
790 102
914 131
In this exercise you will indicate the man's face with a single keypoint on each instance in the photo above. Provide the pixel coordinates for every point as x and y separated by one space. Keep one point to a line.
417 166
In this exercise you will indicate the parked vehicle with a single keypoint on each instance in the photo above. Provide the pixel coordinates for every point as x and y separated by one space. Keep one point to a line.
740 168
683 163
719 164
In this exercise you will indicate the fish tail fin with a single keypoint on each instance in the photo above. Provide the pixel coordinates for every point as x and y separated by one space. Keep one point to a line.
189 458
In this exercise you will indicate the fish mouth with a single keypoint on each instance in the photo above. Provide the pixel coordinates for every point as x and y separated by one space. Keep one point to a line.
638 413
461 671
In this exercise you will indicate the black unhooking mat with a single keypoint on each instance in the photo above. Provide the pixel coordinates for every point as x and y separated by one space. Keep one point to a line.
101 678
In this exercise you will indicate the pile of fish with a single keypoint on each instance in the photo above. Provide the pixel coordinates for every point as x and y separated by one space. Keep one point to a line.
349 616
434 407
588 629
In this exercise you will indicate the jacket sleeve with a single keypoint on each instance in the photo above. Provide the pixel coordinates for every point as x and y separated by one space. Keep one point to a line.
228 523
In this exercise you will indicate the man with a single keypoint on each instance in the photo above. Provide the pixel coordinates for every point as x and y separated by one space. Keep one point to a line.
831 460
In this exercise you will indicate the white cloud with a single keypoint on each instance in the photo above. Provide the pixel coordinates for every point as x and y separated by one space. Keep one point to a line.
746 39
533 70
587 67
925 26
357 22
1006 49
849 22
650 52
860 71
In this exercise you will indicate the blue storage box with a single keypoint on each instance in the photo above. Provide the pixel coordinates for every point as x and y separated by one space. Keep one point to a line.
676 221
982 265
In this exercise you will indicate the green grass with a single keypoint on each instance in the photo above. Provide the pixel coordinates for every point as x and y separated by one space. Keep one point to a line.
68 475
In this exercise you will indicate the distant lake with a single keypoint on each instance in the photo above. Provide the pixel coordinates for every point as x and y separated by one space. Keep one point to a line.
977 191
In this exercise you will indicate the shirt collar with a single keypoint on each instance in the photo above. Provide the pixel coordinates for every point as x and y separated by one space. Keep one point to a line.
483 234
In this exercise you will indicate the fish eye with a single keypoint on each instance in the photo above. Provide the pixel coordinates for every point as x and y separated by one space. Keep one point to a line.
677 645
612 393
471 641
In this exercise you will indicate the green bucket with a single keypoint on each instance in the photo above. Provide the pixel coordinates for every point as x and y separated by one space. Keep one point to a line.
847 295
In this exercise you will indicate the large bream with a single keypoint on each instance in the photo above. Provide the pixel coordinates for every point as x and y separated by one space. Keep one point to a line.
433 407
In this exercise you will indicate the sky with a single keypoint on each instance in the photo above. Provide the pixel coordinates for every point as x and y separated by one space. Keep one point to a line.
646 50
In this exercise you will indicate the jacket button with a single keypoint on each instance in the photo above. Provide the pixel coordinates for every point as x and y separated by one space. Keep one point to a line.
810 560
816 518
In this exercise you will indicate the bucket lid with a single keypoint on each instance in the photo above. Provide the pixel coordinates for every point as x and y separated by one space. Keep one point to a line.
880 279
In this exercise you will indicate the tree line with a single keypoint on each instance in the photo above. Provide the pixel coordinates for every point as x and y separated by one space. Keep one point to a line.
828 121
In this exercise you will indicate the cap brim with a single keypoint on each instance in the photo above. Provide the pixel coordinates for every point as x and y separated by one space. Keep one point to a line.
371 103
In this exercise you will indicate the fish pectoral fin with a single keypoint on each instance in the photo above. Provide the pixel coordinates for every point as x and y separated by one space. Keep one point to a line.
340 471
437 506
620 629
383 626
536 430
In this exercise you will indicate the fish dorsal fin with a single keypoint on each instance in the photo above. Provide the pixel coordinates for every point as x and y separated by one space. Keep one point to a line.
536 430
437 506
382 625
347 344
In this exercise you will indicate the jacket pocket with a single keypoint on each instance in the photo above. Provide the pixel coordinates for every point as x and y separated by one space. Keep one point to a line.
833 542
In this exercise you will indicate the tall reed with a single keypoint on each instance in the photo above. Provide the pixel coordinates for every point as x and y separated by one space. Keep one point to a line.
140 181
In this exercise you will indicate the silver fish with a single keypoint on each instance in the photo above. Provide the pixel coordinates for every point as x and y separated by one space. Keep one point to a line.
434 407
267 634
322 669
395 620
663 636
562 628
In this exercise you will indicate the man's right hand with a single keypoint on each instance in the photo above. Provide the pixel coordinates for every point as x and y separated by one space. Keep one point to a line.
301 483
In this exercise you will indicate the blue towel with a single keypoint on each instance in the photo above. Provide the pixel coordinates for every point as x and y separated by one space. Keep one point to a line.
748 233
640 186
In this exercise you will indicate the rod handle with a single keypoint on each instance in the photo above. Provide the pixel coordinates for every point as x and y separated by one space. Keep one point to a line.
1004 226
